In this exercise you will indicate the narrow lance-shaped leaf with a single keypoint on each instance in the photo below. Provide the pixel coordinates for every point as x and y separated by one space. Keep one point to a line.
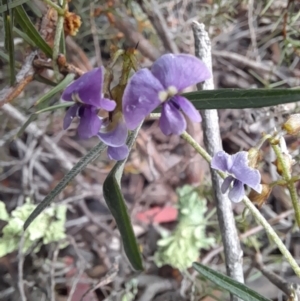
11 4
117 206
241 99
34 8
62 85
9 42
44 80
33 116
24 36
5 57
78 167
27 26
225 282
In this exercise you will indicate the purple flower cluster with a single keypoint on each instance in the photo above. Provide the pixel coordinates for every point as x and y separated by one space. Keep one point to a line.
240 174
162 85
86 93
145 91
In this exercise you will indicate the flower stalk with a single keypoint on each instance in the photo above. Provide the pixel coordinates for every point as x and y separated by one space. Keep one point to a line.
289 180
59 10
57 37
251 207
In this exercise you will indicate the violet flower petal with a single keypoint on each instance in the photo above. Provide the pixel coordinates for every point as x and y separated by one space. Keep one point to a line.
140 97
188 108
117 134
221 161
88 89
226 184
244 173
117 153
89 124
237 192
171 121
108 104
70 114
180 70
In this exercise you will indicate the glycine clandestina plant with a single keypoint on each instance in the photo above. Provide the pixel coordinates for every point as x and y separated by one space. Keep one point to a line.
163 85
109 114
145 91
240 174
86 92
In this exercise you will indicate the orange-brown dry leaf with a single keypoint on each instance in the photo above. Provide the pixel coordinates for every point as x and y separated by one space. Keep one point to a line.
71 24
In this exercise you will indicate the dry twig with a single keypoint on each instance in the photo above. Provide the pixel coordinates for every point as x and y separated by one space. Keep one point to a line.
158 21
212 141
23 78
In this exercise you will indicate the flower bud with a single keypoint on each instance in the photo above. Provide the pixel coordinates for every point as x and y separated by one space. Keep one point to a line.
254 156
292 125
260 198
287 161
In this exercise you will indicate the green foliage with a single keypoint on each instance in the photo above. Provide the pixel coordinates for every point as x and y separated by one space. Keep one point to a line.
9 42
11 4
47 227
29 29
241 99
180 248
117 206
225 282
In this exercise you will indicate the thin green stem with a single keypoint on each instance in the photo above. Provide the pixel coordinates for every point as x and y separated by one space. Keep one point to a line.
59 10
57 38
273 235
259 218
286 174
200 150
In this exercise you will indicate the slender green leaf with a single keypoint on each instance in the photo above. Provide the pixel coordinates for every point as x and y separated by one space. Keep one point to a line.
44 80
225 282
78 167
238 99
9 43
5 57
117 206
55 107
62 85
34 8
67 80
62 44
33 116
11 4
25 23
24 36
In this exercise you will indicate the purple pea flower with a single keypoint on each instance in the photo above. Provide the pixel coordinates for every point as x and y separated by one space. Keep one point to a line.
162 85
241 174
87 94
113 132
